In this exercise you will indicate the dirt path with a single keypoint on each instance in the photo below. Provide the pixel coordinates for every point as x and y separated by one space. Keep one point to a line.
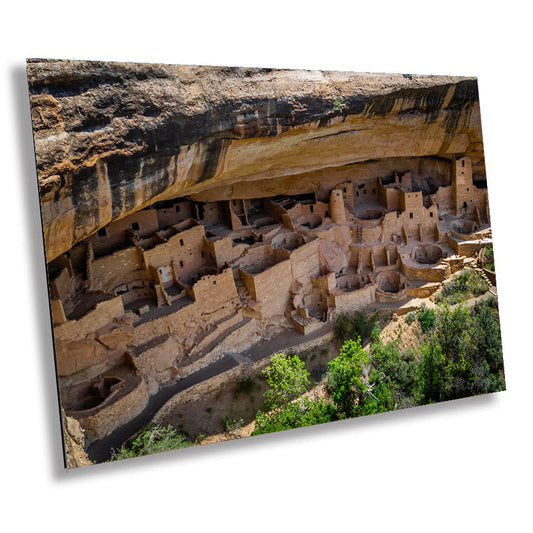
101 450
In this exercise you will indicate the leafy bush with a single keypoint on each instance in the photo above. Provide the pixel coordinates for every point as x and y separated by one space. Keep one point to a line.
287 379
381 398
393 367
351 326
427 319
232 424
489 258
376 332
338 105
469 283
477 285
345 380
300 413
462 356
153 439
410 318
487 335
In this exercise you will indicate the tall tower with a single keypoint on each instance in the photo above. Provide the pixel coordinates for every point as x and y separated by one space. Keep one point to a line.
462 184
336 207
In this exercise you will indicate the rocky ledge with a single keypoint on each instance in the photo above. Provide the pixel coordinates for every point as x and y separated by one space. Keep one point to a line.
113 138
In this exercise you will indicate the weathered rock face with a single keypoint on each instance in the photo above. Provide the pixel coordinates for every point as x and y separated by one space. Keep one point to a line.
74 439
112 138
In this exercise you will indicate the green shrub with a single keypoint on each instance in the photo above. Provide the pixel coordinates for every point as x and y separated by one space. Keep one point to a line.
287 379
427 319
477 284
489 258
376 332
153 439
338 105
487 334
392 366
345 378
300 413
462 357
381 398
468 283
351 326
232 424
410 318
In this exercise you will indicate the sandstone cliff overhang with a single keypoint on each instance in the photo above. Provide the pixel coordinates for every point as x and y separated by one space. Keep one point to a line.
113 138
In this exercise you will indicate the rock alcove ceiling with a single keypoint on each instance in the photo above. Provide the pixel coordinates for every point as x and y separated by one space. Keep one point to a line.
113 138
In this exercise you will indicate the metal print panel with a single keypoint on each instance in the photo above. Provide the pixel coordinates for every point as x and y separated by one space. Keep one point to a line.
237 251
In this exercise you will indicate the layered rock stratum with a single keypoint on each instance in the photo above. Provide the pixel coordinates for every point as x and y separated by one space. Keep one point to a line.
113 138
75 455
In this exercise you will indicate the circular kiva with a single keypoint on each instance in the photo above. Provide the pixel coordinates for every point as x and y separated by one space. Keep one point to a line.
389 281
427 254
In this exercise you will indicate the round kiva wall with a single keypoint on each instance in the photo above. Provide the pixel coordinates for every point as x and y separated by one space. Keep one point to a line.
427 254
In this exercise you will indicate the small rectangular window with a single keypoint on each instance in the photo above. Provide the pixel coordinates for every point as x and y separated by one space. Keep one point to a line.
181 264
203 255
102 232
181 242
177 209
431 214
410 215
135 226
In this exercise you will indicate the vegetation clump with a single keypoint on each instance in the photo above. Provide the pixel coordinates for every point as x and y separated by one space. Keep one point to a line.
489 258
469 284
345 379
232 424
338 105
427 319
300 413
350 326
152 439
287 379
461 355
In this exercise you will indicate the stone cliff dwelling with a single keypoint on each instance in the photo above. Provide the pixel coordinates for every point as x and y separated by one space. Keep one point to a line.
169 289
194 215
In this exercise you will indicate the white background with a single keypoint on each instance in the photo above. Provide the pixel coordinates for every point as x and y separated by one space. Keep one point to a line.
462 466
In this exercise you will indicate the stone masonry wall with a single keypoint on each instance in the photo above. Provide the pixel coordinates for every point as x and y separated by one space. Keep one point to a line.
120 268
110 418
103 313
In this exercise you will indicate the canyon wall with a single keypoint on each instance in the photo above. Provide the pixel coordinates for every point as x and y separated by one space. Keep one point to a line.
113 138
